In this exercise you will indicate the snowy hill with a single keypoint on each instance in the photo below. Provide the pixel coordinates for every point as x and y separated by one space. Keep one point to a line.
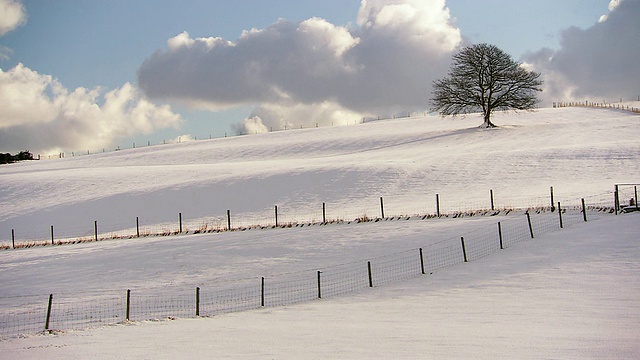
581 152
566 294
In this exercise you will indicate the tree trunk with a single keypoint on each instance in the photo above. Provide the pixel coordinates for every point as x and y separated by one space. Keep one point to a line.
487 121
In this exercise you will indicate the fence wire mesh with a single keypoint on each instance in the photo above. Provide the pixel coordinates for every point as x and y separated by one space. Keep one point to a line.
27 314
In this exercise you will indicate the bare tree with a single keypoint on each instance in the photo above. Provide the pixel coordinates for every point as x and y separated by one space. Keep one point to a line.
485 78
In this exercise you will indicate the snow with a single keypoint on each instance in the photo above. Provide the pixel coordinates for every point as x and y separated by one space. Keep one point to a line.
569 293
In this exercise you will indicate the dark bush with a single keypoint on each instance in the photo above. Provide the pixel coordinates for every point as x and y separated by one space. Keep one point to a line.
7 158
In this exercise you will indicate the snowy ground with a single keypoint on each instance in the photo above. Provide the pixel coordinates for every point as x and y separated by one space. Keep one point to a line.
565 294
571 294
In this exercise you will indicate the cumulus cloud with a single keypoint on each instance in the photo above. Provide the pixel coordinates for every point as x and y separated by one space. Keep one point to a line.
600 62
309 72
12 15
39 114
280 116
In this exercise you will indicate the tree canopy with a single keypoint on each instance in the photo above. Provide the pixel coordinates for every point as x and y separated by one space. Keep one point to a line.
485 78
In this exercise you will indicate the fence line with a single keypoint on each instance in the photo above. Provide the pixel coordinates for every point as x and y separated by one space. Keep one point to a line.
185 138
323 214
28 314
603 105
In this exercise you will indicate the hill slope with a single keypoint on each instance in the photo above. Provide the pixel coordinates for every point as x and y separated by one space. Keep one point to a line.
581 152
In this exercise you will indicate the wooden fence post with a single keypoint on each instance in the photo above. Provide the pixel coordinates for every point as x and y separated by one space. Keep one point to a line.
180 222
584 211
553 206
500 235
464 250
530 227
228 220
13 238
128 304
324 213
262 292
276 213
381 207
492 206
197 301
422 262
370 274
616 200
319 287
95 228
438 205
137 227
560 215
46 324
52 242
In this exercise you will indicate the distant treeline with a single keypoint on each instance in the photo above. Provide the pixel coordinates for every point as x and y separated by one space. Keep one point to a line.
8 158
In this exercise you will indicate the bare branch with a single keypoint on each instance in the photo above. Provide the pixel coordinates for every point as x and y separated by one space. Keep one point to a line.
485 78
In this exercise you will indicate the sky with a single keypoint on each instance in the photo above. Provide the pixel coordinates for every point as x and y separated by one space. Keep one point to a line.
90 75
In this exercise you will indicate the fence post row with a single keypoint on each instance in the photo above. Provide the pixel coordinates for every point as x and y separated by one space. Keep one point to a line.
319 279
383 214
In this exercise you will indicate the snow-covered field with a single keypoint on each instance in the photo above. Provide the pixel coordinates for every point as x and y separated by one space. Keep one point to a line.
565 294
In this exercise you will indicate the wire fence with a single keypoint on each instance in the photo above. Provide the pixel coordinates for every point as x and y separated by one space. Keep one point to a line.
362 210
602 105
70 311
284 126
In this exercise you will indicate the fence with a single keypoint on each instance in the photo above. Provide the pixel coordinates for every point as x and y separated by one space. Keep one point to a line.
372 209
187 138
58 312
626 197
603 105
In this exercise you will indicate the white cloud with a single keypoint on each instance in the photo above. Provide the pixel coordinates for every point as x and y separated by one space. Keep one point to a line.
612 5
311 71
281 116
39 114
12 15
600 62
